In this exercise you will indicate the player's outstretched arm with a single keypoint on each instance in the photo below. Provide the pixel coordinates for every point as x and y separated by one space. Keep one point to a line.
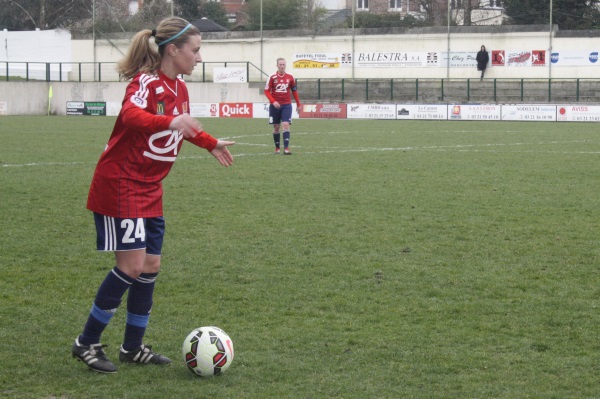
186 124
222 154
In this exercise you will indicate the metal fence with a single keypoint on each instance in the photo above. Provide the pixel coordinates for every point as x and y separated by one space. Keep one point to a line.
451 90
106 71
426 90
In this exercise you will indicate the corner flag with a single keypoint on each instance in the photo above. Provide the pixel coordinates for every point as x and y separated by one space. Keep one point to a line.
50 94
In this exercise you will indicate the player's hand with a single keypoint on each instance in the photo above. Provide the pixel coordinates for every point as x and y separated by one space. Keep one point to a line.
187 125
222 154
298 107
276 105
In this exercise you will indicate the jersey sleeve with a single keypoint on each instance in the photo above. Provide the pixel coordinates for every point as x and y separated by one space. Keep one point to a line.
294 90
139 109
204 140
268 87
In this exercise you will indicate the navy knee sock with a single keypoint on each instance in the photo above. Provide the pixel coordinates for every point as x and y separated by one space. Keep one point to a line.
276 138
108 299
139 305
286 139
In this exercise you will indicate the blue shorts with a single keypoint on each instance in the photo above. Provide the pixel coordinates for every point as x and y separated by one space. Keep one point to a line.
283 114
116 234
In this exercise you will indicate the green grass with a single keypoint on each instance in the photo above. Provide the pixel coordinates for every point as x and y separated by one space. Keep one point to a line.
384 259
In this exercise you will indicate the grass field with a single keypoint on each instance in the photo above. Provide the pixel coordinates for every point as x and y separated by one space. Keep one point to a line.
384 259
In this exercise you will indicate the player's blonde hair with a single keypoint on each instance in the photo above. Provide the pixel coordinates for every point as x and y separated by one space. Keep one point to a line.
144 56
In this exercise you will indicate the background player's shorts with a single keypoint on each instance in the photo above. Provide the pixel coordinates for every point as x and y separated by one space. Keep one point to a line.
283 114
116 234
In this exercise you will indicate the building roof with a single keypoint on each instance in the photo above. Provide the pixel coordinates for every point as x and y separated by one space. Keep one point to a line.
207 25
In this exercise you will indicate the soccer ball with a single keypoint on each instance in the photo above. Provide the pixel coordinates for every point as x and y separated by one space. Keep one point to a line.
207 351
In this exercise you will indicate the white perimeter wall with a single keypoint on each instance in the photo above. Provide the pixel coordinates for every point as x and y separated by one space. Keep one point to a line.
263 53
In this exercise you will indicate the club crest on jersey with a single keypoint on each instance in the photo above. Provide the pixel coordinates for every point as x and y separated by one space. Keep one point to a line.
160 108
163 143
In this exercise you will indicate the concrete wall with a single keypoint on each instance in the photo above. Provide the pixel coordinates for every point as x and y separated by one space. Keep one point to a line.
32 98
263 50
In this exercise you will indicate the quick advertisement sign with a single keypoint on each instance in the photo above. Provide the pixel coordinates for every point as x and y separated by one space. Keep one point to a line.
235 110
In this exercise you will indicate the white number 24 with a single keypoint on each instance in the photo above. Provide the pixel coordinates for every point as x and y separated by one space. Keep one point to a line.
134 229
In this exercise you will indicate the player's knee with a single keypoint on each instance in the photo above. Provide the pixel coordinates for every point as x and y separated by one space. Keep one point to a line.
152 264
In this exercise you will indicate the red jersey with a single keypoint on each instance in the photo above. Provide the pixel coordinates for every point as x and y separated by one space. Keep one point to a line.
141 150
278 88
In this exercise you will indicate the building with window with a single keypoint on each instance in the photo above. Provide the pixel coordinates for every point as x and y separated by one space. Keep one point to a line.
462 12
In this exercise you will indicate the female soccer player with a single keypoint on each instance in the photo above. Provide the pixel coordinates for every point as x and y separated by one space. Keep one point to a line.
126 191
277 89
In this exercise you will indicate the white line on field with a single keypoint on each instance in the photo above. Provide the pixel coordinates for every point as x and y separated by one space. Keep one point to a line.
341 150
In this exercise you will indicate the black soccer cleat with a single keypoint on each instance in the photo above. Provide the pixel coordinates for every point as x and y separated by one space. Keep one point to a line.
287 152
93 356
143 355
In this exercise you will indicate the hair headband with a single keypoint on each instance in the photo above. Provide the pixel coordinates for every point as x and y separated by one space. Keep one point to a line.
176 36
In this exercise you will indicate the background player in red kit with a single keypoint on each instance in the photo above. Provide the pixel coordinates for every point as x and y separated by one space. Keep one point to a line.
278 88
126 190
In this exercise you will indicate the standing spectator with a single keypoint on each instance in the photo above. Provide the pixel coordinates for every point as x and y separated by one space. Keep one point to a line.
126 191
482 59
277 90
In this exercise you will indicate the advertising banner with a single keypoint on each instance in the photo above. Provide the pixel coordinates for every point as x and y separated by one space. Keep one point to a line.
386 59
230 75
498 57
322 60
538 58
94 108
578 113
460 59
575 58
474 112
528 112
204 110
371 111
518 58
235 110
323 111
261 110
422 111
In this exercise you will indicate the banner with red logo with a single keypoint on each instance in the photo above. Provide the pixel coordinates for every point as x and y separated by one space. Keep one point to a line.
235 110
323 111
204 110
578 113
